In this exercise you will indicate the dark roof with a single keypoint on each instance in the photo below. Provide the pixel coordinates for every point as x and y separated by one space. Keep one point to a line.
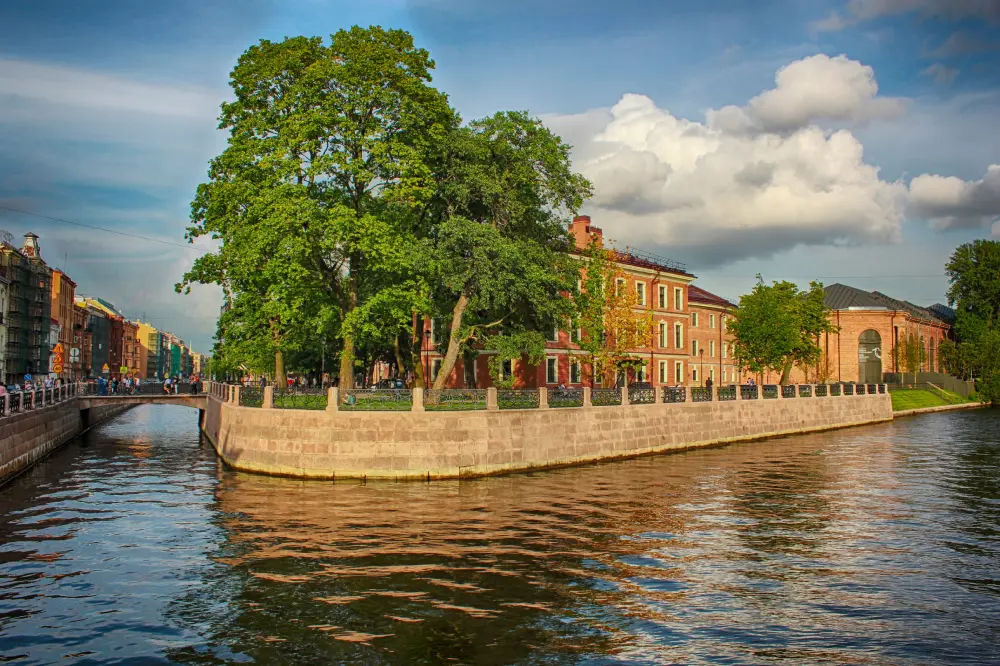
943 312
841 297
699 295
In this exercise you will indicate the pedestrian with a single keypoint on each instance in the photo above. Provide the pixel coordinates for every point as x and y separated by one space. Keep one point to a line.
263 382
709 383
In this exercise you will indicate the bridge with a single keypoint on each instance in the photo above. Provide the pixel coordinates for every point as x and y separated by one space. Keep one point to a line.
198 401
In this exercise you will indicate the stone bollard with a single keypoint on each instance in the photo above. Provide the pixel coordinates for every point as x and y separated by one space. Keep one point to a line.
543 398
333 399
813 391
492 402
586 397
687 394
418 400
658 395
236 395
739 392
625 402
268 400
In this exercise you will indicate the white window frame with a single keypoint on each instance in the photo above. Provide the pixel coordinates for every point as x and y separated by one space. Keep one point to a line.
678 372
663 297
694 348
725 350
711 321
640 290
711 374
678 335
436 368
711 348
435 332
694 373
663 372
663 335
643 373
619 284
554 333
554 361
694 319
575 372
678 299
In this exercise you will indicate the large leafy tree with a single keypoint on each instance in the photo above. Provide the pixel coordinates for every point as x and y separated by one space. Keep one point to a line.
328 148
974 273
499 244
778 326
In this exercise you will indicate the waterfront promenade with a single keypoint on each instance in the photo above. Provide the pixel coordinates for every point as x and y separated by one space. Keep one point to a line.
413 435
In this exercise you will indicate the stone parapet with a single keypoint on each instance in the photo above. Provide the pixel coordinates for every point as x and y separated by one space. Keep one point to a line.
441 444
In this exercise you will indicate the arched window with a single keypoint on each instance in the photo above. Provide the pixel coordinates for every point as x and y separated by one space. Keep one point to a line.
870 357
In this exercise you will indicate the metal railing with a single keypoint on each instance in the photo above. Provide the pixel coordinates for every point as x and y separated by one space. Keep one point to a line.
848 389
368 400
805 390
835 389
297 398
701 394
443 400
16 402
641 396
566 397
770 391
788 390
251 396
749 392
674 394
517 398
605 397
821 390
725 393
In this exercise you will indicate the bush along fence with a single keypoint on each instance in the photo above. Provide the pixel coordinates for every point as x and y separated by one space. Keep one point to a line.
16 402
492 399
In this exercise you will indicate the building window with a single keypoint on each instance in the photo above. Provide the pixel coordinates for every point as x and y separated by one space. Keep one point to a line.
663 372
694 320
640 374
694 348
435 331
678 299
711 348
678 336
663 297
694 373
575 332
619 285
663 334
722 322
711 374
506 369
574 372
725 350
551 370
678 372
554 334
711 321
435 368
640 291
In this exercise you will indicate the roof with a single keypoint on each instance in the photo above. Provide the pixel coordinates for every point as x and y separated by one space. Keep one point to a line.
943 312
699 295
842 297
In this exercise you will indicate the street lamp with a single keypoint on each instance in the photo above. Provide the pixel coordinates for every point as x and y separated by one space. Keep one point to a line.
427 359
701 352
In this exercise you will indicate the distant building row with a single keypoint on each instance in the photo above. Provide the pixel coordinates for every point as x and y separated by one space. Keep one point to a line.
47 330
691 342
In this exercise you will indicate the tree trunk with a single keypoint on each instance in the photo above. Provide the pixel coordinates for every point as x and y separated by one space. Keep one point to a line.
400 367
451 356
785 372
280 379
469 363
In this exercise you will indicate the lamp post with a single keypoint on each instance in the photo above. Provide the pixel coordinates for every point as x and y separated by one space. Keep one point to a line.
427 359
701 353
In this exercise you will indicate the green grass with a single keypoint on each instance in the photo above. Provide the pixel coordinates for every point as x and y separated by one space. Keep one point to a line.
920 398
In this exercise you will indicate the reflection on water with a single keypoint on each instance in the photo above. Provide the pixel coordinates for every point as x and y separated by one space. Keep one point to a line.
876 545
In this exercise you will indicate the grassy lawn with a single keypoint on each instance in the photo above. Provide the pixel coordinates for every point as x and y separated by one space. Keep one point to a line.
919 398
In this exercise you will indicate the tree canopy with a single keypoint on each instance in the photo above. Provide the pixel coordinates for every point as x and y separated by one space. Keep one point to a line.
974 274
778 326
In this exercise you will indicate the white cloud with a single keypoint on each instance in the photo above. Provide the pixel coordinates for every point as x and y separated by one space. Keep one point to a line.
814 89
952 203
859 11
940 73
714 194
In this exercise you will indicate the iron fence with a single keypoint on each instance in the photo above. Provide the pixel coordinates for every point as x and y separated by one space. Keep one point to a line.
822 391
848 389
805 390
749 392
298 398
724 393
13 403
251 396
605 397
369 400
641 396
882 388
517 398
788 391
770 391
701 394
674 394
872 389
443 400
835 389
567 397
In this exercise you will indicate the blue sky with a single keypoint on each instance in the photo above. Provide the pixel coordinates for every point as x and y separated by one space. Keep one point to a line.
868 168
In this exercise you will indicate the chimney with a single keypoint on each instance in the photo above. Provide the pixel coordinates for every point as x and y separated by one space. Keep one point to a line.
583 231
31 248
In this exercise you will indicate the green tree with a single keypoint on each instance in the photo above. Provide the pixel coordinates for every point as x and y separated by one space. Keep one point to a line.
500 264
778 326
327 153
911 354
974 273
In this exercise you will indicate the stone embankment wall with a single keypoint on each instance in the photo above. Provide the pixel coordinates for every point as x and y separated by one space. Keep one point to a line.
29 436
421 445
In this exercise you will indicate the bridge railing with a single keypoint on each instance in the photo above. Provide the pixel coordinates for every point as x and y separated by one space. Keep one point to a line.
15 402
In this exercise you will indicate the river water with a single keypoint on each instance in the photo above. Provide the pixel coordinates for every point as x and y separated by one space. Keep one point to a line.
875 545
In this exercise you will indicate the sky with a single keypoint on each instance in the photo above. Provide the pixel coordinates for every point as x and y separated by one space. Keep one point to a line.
850 141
